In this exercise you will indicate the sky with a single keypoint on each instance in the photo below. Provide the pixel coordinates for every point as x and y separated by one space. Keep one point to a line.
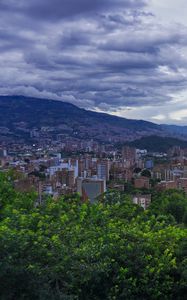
123 57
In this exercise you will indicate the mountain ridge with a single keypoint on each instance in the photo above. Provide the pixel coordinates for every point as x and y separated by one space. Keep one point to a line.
19 115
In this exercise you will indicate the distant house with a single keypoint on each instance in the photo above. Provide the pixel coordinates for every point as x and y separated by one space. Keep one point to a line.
142 200
167 185
182 184
141 182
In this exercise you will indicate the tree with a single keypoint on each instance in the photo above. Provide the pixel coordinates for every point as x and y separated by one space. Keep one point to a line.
146 173
171 202
67 249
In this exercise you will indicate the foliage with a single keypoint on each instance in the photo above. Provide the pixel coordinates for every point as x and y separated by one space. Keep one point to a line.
146 173
171 202
39 174
72 250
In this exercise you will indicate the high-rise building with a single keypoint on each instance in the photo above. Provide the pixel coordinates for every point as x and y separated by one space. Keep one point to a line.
71 178
3 153
90 188
103 169
129 154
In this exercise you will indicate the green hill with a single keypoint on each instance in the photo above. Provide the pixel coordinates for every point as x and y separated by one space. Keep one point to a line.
157 143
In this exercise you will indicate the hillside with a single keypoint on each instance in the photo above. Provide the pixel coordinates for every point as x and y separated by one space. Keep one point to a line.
160 144
178 130
19 115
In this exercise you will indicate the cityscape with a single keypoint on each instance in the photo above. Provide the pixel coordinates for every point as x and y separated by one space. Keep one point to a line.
93 150
90 169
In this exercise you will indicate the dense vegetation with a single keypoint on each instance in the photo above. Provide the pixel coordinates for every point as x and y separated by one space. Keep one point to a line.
161 144
109 250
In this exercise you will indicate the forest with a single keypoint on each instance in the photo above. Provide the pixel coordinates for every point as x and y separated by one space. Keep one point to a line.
113 249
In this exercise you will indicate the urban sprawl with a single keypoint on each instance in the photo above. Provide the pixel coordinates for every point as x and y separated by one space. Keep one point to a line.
91 169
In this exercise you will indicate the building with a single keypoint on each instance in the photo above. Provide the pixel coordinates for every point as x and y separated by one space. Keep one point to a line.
65 177
149 164
70 178
3 153
90 188
141 182
175 151
142 200
103 169
182 184
167 185
129 154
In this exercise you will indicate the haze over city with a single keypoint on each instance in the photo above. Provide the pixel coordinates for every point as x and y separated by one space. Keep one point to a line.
123 57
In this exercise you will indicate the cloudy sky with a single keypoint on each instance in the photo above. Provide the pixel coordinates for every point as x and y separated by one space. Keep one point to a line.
124 57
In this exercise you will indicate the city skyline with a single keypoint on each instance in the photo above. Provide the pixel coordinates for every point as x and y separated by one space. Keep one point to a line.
121 57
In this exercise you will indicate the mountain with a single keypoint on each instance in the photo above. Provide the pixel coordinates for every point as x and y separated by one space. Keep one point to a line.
20 116
158 143
24 117
175 129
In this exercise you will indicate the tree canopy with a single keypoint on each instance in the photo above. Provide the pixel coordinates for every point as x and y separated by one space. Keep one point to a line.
111 249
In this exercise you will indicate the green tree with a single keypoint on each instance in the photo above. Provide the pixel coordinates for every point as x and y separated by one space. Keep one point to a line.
146 173
111 249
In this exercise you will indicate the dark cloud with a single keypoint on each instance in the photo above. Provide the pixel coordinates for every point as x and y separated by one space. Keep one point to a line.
47 9
101 54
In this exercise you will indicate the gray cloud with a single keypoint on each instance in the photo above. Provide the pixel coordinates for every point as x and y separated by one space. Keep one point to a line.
57 9
100 54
